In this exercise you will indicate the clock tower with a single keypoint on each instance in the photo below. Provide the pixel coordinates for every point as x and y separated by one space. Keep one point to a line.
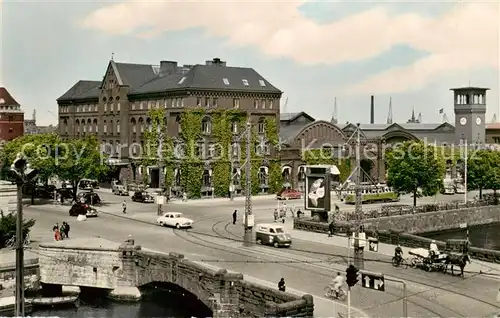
470 110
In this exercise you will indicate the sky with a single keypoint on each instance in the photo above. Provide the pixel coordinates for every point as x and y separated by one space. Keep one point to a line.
412 52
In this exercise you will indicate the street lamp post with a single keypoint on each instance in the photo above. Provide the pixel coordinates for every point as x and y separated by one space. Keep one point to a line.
160 198
466 155
247 239
358 250
22 174
232 188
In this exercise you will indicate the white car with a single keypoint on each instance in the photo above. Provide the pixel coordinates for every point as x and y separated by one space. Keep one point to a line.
174 219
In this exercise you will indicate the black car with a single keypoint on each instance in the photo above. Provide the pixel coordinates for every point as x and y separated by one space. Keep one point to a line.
141 196
91 198
82 209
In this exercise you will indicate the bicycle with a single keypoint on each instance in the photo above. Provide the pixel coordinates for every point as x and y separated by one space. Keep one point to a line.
330 293
401 262
11 243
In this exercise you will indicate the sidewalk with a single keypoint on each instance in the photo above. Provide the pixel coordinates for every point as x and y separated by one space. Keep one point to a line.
383 249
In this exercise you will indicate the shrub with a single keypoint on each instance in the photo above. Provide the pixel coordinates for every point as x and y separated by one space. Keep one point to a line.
8 227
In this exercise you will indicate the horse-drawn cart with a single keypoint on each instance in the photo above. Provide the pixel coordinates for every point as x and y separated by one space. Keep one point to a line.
422 259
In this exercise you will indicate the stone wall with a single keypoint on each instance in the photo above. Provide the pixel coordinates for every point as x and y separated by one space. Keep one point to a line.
31 275
8 197
416 223
96 267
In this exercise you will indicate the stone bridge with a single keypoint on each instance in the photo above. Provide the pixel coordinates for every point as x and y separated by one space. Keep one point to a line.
123 268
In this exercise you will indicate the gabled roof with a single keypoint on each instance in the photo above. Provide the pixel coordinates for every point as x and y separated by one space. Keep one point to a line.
134 75
210 77
293 116
7 99
82 90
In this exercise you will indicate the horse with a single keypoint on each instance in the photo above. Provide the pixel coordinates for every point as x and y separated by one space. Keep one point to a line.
456 259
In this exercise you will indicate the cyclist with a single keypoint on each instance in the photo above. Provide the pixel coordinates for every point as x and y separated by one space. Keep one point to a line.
337 283
398 254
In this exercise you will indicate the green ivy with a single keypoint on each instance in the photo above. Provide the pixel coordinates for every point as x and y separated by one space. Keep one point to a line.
191 166
275 176
326 157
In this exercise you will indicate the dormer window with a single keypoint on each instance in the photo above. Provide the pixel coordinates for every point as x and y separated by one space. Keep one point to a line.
245 82
262 83
226 81
182 80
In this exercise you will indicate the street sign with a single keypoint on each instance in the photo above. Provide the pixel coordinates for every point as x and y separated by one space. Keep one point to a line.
463 225
373 281
160 199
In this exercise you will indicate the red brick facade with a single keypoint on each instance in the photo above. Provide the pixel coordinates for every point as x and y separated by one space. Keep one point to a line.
11 117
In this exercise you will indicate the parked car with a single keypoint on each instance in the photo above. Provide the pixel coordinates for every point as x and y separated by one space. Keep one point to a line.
174 219
88 184
142 196
82 209
289 194
91 198
118 189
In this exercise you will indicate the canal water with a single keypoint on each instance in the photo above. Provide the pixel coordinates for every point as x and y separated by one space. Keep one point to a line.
483 236
158 301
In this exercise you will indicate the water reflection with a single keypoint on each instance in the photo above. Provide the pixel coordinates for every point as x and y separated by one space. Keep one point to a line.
159 300
484 236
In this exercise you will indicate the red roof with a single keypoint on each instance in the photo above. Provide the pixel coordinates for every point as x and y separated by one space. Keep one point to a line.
493 126
6 98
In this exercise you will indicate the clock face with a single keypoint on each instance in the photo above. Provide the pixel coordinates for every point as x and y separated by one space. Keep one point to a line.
478 121
463 121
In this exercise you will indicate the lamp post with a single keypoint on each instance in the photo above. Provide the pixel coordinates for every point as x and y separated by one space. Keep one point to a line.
22 174
466 154
233 175
161 177
247 238
358 250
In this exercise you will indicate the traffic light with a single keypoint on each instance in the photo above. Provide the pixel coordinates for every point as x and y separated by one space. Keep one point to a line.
352 275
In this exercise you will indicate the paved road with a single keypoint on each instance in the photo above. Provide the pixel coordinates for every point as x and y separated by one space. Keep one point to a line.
307 266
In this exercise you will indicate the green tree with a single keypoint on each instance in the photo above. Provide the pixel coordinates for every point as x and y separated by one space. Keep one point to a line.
415 166
479 171
81 159
8 227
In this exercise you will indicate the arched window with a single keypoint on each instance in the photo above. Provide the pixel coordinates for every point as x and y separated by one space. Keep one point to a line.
149 124
141 124
65 126
77 126
178 123
134 125
262 125
206 126
96 126
105 127
89 124
263 175
111 126
117 126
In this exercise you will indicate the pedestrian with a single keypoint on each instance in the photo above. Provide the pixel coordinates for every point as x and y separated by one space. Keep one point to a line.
299 213
292 210
331 229
235 214
276 215
61 230
56 227
124 207
184 196
66 229
282 285
57 235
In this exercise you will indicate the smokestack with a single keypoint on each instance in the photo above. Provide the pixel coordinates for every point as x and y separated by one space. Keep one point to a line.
372 110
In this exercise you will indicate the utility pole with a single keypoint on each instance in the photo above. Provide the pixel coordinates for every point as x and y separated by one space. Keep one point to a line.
358 250
466 154
161 181
247 239
22 174
233 175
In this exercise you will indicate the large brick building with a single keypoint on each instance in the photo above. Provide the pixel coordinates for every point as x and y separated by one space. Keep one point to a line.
11 116
116 108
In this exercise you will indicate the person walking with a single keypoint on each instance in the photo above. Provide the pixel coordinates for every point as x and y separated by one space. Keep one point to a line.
124 207
57 235
66 230
55 227
282 285
235 214
331 228
61 230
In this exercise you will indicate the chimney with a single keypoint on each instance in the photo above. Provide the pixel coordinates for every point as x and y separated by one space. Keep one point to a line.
372 110
216 62
168 68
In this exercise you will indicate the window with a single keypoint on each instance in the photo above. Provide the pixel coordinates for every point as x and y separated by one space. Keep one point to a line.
256 103
157 104
105 107
150 104
263 175
118 106
206 126
262 83
236 103
118 126
226 81
262 126
245 82
207 102
90 126
178 102
214 102
270 103
235 150
133 105
198 101
211 151
117 143
182 80
263 103
134 126
207 178
165 103
105 128
178 122
234 127
182 102
111 106
141 105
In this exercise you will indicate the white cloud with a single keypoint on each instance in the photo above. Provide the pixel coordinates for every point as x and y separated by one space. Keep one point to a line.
463 38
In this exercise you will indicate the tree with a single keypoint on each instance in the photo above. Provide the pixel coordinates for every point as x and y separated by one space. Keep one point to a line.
8 227
479 171
415 166
81 159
